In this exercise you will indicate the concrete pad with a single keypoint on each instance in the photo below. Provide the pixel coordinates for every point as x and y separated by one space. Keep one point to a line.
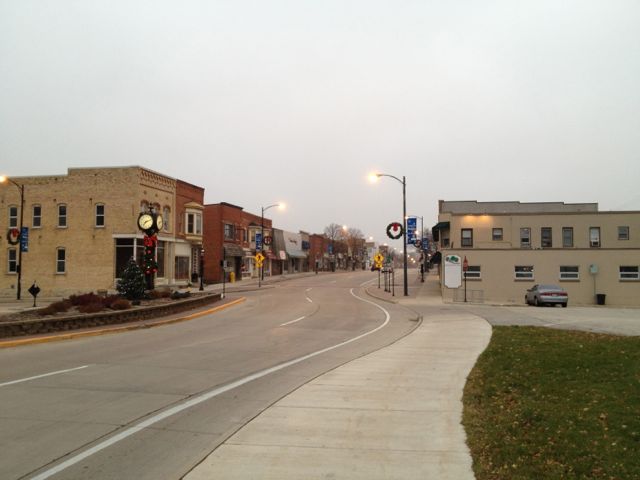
229 462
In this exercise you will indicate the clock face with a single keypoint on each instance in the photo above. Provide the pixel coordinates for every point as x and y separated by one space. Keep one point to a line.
145 221
159 222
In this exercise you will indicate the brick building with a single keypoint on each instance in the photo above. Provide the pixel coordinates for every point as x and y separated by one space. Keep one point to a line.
229 235
82 229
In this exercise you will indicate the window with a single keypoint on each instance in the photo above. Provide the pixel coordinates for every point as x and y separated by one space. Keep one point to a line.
62 215
36 218
545 237
525 237
182 268
99 215
569 273
12 260
144 207
629 273
13 216
160 249
567 237
467 237
594 236
496 234
165 219
623 233
524 272
229 232
124 251
194 223
473 271
245 235
61 260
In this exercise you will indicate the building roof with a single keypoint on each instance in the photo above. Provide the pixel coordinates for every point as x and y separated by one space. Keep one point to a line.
483 208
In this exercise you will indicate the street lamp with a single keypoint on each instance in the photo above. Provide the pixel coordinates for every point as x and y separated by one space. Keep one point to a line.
201 268
281 206
374 177
19 266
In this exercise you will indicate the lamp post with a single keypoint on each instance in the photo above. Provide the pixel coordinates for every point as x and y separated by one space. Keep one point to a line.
19 266
264 209
201 269
374 177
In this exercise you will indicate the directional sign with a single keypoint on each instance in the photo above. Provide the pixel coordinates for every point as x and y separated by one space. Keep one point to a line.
394 230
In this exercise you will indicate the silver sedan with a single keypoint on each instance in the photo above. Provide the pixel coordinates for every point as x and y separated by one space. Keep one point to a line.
546 295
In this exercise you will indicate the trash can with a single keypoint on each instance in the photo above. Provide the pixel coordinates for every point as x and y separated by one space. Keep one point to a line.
600 298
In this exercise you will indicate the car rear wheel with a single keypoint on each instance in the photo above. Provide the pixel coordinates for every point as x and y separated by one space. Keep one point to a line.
536 302
564 305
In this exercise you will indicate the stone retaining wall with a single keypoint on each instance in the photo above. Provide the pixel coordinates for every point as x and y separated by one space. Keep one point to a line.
74 322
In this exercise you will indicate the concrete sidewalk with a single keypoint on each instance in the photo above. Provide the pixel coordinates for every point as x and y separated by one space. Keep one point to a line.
393 414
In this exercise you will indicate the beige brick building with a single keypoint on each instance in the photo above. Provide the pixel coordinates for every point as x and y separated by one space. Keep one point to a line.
511 246
83 229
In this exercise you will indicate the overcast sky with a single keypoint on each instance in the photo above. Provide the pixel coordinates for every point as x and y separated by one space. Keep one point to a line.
297 101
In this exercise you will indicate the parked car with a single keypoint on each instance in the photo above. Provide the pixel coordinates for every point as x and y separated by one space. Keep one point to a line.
546 295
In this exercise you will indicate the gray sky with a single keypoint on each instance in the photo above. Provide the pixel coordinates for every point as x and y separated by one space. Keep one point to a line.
262 101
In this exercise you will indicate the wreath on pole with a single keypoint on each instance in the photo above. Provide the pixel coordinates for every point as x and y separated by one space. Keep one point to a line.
395 230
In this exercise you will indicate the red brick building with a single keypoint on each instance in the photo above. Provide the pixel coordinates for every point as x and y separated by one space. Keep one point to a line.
229 234
188 230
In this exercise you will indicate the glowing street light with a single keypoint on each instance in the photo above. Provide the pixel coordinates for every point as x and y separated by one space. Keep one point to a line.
373 177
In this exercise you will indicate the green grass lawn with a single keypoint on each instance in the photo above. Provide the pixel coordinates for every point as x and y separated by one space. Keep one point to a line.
552 404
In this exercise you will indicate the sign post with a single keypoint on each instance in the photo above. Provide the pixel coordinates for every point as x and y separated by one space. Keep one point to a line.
465 267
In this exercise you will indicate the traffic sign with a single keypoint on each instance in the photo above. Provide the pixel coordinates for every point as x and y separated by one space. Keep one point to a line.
268 240
259 257
465 265
378 258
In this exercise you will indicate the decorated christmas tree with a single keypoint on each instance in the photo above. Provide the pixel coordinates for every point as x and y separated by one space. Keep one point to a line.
131 285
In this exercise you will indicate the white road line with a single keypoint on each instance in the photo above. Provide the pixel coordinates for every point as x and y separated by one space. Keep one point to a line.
307 296
293 321
368 281
42 376
203 398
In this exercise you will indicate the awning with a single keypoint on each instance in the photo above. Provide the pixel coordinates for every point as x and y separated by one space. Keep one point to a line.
233 250
296 255
437 227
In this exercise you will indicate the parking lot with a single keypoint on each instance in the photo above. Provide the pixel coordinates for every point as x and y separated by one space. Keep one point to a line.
612 320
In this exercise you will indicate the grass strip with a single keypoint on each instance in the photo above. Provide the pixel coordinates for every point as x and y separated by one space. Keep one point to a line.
553 404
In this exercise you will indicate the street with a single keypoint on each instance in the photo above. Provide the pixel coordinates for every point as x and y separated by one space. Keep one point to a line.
154 403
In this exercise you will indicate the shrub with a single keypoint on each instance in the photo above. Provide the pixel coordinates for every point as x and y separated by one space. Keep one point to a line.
50 310
109 300
154 294
91 308
179 295
85 299
61 306
121 304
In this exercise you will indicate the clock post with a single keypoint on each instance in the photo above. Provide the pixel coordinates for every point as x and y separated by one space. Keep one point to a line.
150 223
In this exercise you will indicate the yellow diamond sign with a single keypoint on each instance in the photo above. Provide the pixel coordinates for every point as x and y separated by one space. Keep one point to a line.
259 257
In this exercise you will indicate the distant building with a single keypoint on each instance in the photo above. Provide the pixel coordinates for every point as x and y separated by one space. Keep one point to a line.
82 228
511 246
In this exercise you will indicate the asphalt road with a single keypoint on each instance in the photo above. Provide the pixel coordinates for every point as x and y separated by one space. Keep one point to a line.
153 403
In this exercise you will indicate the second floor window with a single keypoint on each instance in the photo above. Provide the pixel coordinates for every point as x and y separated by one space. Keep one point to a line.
229 232
525 237
567 237
13 216
594 236
545 237
467 237
165 219
36 219
62 215
194 223
99 215
623 233
496 234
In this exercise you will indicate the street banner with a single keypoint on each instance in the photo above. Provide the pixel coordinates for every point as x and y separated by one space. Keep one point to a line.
259 242
412 226
24 239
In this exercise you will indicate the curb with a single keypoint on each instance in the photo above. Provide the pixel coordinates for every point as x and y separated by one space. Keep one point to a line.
106 331
388 300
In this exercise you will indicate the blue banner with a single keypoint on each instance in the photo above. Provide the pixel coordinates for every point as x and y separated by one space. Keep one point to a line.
259 242
412 226
425 244
24 239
